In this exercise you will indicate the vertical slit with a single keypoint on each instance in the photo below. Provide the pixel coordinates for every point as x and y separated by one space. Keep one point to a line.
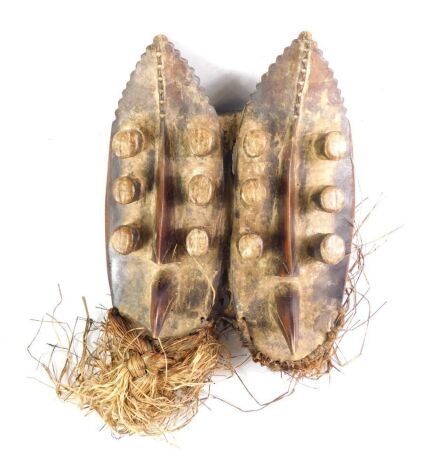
163 233
288 183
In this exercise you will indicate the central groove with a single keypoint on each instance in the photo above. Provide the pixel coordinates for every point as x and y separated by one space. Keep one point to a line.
163 230
289 260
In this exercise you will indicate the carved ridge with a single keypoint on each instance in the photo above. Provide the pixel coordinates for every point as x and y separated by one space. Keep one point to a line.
163 222
305 39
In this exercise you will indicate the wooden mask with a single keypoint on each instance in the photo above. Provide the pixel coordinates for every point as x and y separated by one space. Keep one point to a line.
189 215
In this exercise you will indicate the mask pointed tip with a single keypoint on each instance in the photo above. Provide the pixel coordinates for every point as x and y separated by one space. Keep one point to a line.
287 306
162 296
160 39
305 36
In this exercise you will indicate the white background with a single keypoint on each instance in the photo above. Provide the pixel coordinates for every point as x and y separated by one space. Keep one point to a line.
63 66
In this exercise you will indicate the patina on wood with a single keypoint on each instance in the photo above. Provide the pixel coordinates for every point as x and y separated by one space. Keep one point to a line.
165 209
290 249
285 197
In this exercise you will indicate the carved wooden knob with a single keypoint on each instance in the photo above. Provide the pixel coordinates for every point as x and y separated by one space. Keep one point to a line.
253 192
331 199
201 141
330 249
197 242
127 143
125 190
125 239
250 246
335 146
200 190
255 142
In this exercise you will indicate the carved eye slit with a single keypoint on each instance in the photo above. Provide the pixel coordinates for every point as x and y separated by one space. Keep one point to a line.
331 199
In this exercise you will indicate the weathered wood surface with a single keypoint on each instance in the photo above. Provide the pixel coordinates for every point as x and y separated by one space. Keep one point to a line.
286 198
290 248
165 210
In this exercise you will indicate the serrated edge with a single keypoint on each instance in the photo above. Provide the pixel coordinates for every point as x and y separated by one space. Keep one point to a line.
160 41
313 48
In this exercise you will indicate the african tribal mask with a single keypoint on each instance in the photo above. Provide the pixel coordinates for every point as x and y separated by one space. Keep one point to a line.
269 220
293 210
166 210
246 216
